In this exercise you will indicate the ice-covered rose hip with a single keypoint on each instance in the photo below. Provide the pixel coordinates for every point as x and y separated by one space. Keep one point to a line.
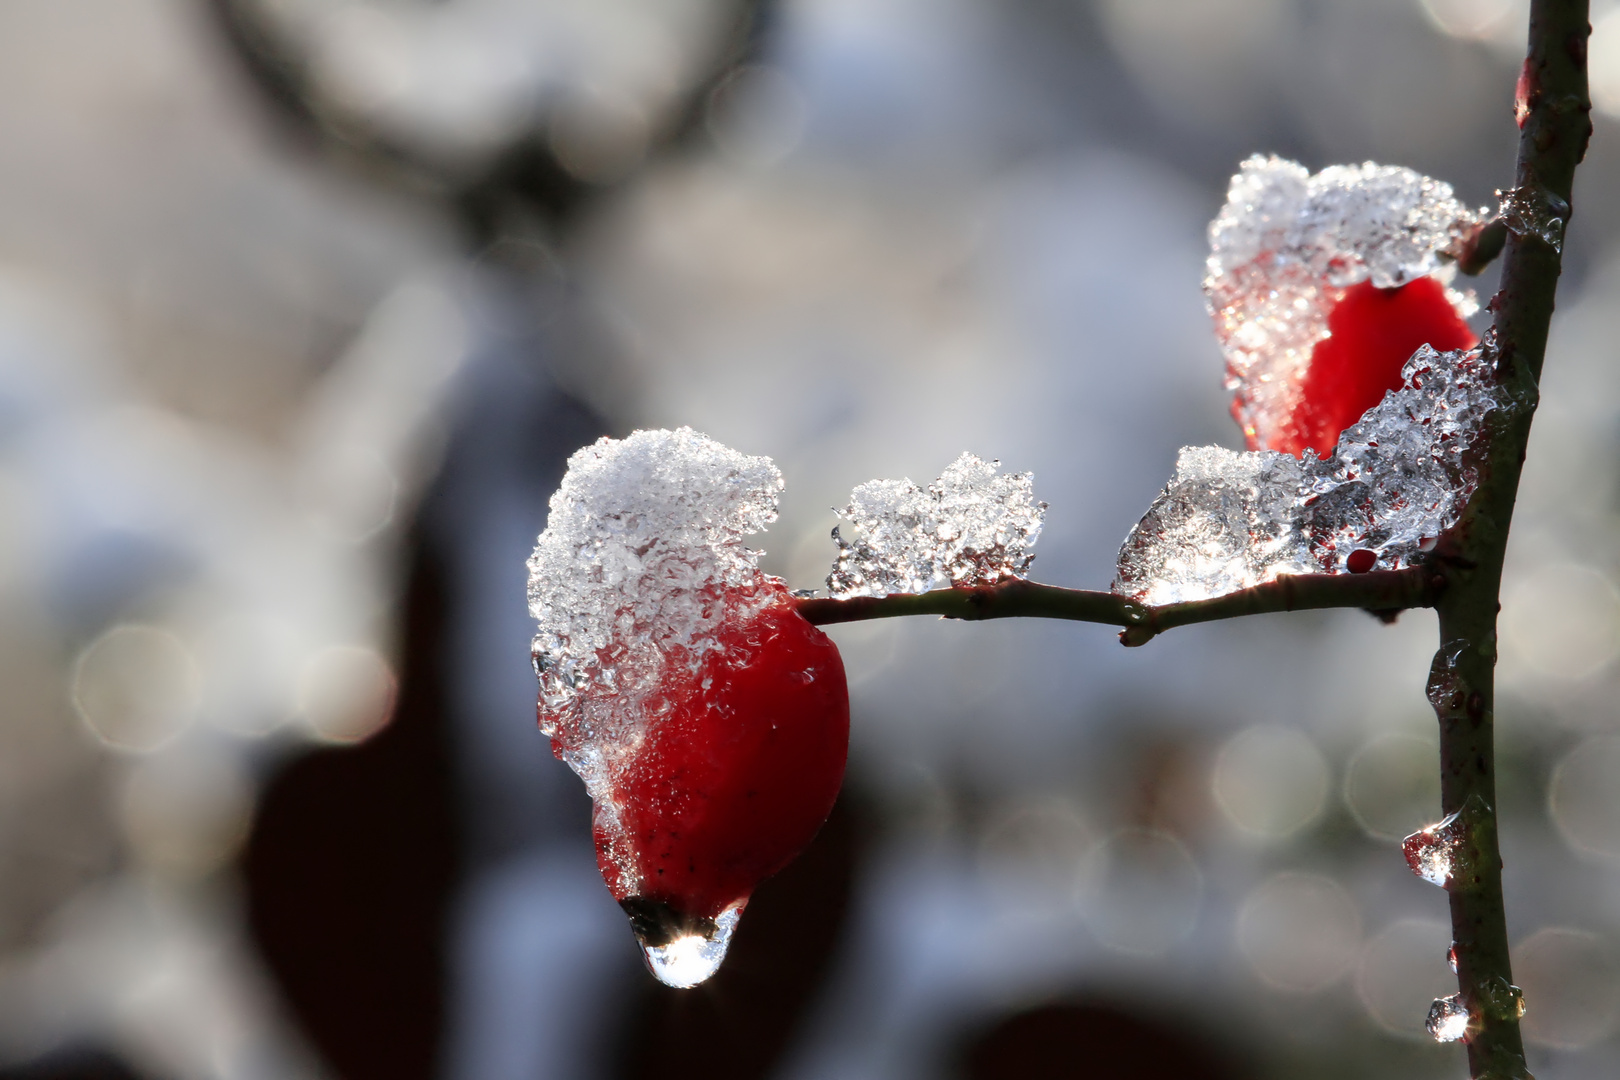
1357 383
708 719
1323 286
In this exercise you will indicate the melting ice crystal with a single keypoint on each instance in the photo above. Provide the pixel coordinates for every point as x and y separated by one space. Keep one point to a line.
1396 480
972 526
1432 853
1534 211
1226 521
1285 247
641 563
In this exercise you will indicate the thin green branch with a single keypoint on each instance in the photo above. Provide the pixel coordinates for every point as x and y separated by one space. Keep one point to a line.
1380 591
1555 125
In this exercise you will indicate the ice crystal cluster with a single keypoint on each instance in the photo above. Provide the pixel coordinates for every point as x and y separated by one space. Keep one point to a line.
641 564
1532 210
1397 479
972 526
1285 247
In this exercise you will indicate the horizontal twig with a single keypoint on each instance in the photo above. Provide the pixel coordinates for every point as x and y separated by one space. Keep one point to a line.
1380 591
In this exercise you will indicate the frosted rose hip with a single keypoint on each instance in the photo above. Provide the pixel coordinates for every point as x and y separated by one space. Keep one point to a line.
708 720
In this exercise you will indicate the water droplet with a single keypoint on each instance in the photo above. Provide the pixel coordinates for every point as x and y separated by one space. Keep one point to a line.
1448 1019
692 958
1432 852
1451 957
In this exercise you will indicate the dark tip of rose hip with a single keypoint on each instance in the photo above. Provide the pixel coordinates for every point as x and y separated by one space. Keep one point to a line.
656 923
1361 560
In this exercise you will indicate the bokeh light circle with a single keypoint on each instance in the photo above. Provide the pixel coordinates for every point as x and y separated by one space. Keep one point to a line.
1299 932
1584 796
1270 781
1392 785
136 687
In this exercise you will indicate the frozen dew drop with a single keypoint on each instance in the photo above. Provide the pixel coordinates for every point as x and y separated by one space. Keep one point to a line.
1533 211
1448 1019
691 958
1503 1000
1432 853
1444 688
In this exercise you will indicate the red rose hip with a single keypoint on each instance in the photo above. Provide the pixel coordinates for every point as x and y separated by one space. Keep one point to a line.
730 784
1372 332
708 719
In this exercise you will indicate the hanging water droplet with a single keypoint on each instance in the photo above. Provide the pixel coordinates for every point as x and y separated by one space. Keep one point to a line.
1448 1019
1432 852
1451 957
685 953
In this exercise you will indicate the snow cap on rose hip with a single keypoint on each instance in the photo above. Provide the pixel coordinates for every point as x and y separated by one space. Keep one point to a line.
709 721
1323 286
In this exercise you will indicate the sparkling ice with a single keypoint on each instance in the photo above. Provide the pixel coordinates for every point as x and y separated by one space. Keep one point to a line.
1432 852
972 526
1397 479
1285 247
1448 1019
1226 521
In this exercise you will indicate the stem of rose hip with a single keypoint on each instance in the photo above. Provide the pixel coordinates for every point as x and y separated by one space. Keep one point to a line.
1554 131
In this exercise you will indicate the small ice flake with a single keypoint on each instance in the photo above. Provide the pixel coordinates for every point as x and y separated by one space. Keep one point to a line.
1397 479
1286 246
972 526
1433 853
1448 1019
1533 211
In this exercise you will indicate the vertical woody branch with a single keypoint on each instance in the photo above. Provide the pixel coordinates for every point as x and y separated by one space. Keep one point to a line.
1553 112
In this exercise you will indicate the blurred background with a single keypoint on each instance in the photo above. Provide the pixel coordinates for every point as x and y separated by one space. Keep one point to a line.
303 303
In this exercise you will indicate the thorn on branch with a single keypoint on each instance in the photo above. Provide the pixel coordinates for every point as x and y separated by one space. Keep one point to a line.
1480 247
